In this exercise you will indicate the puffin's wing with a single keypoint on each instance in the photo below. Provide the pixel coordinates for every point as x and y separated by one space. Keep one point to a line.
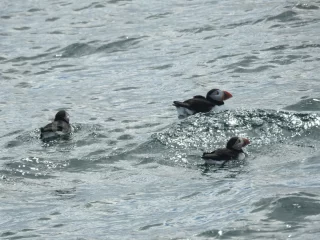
181 104
199 104
188 102
219 154
51 127
211 155
55 129
55 126
199 97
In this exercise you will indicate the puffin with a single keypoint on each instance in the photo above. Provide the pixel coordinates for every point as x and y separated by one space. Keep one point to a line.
58 128
215 97
233 151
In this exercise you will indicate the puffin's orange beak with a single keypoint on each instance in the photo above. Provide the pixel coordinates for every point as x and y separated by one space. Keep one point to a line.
246 141
227 95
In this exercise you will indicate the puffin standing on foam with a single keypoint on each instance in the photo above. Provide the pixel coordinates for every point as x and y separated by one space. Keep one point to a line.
202 104
59 127
233 151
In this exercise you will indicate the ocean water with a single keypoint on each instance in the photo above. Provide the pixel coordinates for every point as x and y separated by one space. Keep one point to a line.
132 169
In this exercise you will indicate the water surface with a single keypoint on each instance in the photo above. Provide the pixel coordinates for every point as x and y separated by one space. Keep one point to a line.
132 169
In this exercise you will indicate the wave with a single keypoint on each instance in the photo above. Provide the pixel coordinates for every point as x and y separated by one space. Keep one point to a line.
309 104
179 144
284 16
83 49
306 6
283 215
75 50
261 126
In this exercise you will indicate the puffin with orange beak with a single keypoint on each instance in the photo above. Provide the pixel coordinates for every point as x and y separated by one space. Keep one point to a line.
215 97
233 151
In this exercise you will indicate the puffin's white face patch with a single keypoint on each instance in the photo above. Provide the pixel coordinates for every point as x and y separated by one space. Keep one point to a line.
217 95
239 144
67 117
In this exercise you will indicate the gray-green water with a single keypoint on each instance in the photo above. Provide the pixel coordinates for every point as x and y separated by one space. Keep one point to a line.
132 169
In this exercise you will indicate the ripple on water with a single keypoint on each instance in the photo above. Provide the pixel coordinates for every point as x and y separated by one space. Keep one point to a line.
289 59
286 16
23 85
158 16
89 146
315 45
292 208
52 19
32 167
120 45
92 5
306 6
126 89
82 49
66 193
252 70
77 50
283 215
22 28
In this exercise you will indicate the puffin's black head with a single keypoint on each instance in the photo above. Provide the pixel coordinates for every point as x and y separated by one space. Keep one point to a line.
217 96
237 143
62 116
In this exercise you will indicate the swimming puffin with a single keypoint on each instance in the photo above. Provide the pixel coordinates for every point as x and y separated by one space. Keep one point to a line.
200 103
59 127
233 151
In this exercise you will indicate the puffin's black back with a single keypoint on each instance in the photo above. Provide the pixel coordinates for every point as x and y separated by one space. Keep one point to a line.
231 142
59 127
